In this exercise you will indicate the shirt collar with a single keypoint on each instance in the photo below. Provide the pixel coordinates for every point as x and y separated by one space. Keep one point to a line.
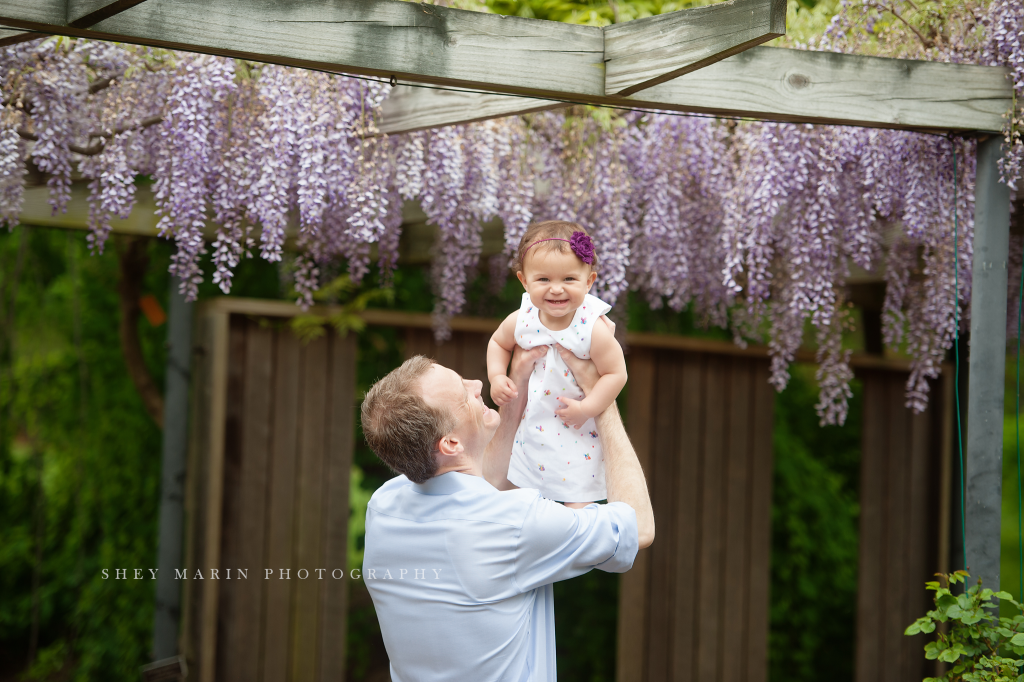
452 482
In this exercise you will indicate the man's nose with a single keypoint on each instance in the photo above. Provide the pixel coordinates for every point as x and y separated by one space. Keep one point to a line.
476 387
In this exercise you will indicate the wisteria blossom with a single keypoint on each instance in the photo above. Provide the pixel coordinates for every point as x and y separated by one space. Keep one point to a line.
755 227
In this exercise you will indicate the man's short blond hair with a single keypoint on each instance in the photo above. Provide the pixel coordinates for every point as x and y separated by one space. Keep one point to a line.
400 427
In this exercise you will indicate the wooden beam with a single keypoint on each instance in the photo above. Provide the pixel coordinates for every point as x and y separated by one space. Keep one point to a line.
777 84
383 38
10 36
409 108
641 53
84 13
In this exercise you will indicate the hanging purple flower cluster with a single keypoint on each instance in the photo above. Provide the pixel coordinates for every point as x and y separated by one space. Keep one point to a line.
756 227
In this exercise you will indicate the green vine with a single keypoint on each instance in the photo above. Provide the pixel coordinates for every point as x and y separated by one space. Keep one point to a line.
980 645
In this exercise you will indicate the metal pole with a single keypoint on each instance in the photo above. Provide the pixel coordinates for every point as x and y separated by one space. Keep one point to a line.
984 466
172 482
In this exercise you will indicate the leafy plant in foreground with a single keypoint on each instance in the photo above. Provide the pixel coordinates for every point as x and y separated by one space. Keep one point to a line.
980 645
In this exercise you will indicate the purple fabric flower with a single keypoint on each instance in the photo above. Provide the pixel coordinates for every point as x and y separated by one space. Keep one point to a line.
583 246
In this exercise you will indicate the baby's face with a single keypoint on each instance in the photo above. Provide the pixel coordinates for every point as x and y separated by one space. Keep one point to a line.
556 282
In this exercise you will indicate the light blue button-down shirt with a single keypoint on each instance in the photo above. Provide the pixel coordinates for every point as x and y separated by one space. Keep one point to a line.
461 574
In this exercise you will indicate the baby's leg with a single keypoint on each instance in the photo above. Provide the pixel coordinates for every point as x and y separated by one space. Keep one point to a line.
576 505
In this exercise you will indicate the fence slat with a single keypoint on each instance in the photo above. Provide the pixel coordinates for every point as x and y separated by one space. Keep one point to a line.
333 592
663 498
633 585
760 525
309 508
874 453
242 631
897 534
712 523
737 516
281 506
686 448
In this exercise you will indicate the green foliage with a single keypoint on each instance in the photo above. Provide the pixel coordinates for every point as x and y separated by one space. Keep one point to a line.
814 537
79 463
348 300
979 645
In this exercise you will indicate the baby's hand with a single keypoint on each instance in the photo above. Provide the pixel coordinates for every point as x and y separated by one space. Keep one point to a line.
572 412
503 390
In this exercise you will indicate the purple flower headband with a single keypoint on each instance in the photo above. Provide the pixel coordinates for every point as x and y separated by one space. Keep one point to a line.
580 243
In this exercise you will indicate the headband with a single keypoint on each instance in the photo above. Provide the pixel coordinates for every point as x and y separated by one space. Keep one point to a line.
580 243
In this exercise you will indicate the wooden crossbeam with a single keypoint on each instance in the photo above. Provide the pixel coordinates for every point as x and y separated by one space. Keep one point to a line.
418 43
777 84
827 87
652 50
76 14
410 108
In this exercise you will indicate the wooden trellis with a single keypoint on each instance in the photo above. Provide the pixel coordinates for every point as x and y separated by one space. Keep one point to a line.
682 61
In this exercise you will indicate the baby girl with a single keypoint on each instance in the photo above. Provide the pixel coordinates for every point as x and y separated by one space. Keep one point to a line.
557 449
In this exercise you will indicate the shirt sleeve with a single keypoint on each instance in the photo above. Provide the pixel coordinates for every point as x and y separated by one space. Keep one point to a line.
558 543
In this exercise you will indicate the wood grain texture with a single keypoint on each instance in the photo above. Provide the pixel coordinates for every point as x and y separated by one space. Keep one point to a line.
901 471
896 537
230 625
245 632
871 555
9 36
214 493
778 84
281 506
84 13
33 13
688 426
409 108
663 502
309 509
644 52
633 585
737 501
340 428
712 523
759 570
382 38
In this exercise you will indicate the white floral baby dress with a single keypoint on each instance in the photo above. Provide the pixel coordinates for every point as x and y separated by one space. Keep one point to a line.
564 463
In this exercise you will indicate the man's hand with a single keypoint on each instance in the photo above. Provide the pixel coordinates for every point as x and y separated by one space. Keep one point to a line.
503 391
571 412
584 370
522 364
499 450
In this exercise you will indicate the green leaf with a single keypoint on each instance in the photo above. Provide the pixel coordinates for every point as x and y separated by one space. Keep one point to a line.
1003 594
928 627
949 655
1018 639
913 629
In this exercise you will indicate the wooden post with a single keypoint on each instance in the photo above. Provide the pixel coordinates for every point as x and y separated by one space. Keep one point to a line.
172 482
984 468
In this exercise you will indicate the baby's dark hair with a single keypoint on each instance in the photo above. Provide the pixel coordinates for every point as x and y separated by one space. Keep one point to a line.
548 229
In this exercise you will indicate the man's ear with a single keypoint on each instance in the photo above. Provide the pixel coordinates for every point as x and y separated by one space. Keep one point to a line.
450 445
522 280
591 279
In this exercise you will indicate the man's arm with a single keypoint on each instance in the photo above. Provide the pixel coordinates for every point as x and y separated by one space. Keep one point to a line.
499 450
623 474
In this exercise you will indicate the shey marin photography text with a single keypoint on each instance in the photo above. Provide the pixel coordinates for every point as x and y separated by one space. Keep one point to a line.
387 573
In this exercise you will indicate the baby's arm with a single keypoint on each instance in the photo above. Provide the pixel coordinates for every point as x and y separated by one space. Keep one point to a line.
499 352
611 363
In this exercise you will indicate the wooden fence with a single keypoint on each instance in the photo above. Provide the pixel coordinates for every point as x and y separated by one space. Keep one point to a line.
268 488
904 523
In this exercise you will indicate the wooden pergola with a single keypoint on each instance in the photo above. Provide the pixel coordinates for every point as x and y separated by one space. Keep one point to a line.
703 60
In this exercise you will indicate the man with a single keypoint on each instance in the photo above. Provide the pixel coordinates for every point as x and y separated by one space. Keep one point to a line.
459 562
